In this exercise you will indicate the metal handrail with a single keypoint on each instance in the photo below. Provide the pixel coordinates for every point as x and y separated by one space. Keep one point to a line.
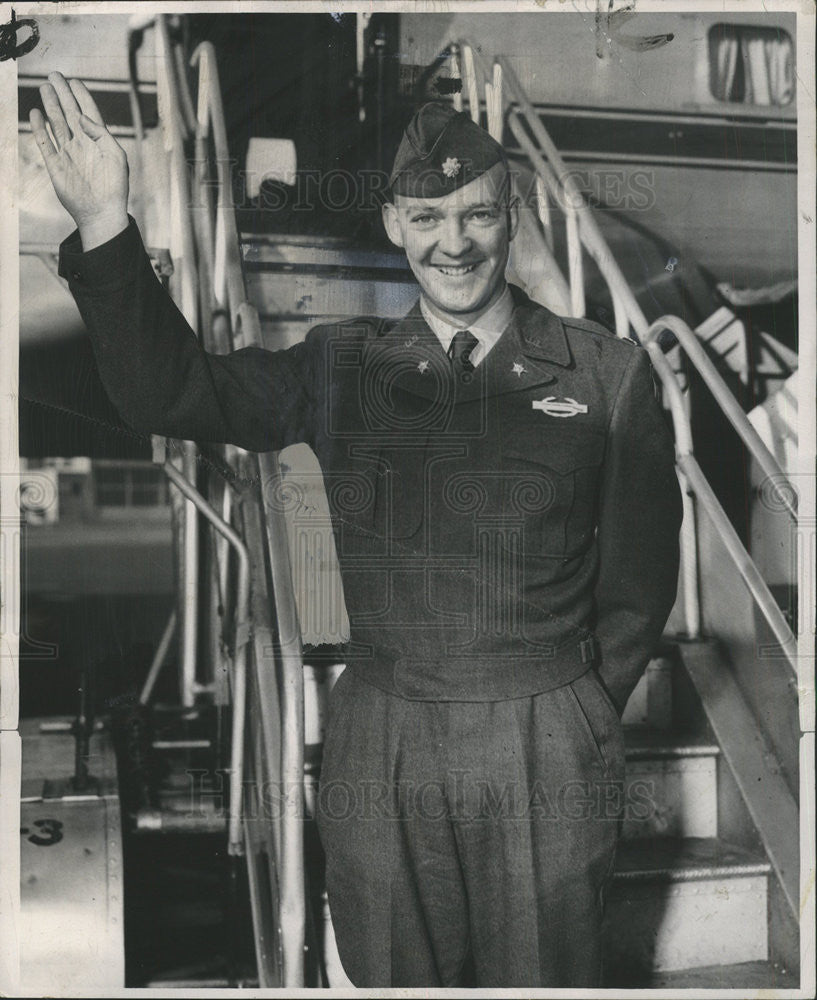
228 284
688 540
570 295
231 289
727 402
566 193
742 560
575 264
705 495
219 269
172 121
228 280
570 199
169 102
242 638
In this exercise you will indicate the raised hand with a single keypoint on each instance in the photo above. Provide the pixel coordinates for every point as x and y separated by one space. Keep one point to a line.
87 166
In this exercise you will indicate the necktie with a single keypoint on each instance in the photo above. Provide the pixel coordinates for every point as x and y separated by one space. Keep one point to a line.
460 350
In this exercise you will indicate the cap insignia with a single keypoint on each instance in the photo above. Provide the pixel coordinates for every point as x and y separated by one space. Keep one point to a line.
451 166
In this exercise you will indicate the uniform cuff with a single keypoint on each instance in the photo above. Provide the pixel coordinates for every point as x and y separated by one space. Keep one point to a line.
106 266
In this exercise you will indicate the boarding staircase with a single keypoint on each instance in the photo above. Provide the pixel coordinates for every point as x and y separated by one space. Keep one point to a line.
694 902
706 890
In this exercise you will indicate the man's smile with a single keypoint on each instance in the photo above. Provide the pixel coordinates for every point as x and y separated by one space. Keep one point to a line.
455 270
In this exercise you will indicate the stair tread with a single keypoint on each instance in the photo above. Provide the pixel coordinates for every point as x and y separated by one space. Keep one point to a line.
644 741
682 859
743 975
757 773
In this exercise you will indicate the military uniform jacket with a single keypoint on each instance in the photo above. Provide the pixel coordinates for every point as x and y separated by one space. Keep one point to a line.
496 534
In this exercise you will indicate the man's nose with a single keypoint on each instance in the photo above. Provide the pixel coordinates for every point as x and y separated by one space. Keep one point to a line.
453 240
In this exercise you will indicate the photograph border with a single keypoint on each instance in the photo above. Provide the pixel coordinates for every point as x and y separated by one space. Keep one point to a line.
9 461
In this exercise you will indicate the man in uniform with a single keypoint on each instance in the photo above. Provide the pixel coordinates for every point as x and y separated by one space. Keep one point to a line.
506 516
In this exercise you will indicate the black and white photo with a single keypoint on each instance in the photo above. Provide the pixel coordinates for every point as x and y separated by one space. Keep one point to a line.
408 522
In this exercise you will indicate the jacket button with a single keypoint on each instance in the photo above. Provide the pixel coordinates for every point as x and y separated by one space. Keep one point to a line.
76 275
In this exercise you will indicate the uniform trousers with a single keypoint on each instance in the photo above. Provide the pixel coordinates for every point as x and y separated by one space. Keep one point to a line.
470 843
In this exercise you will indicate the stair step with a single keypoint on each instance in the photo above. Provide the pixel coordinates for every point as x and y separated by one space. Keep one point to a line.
742 975
679 903
643 742
757 772
671 785
687 859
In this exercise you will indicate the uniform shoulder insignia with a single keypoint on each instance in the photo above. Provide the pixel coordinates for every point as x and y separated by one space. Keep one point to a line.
587 326
590 326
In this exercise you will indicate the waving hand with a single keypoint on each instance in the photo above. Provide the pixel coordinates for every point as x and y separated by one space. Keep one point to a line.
87 166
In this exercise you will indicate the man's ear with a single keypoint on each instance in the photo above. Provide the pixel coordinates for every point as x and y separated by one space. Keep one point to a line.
513 217
391 223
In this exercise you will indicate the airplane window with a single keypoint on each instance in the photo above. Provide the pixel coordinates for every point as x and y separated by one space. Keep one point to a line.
749 65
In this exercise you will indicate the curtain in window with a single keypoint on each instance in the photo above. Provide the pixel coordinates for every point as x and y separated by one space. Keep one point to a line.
768 68
751 65
726 53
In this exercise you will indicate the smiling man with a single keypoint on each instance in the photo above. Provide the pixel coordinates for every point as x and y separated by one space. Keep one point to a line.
506 517
456 222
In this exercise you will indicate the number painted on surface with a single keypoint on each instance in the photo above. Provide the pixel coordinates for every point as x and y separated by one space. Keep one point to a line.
49 832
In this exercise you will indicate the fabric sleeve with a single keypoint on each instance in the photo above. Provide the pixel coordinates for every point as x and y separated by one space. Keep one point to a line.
156 372
639 521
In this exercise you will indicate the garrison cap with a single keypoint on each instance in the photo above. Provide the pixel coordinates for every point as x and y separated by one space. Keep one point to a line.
442 150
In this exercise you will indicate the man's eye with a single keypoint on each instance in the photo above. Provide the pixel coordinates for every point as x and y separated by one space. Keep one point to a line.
483 215
423 220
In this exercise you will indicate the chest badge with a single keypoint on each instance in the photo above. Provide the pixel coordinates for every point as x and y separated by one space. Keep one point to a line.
553 407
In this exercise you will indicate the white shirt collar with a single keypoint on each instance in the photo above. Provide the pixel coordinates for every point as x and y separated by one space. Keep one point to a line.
488 328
